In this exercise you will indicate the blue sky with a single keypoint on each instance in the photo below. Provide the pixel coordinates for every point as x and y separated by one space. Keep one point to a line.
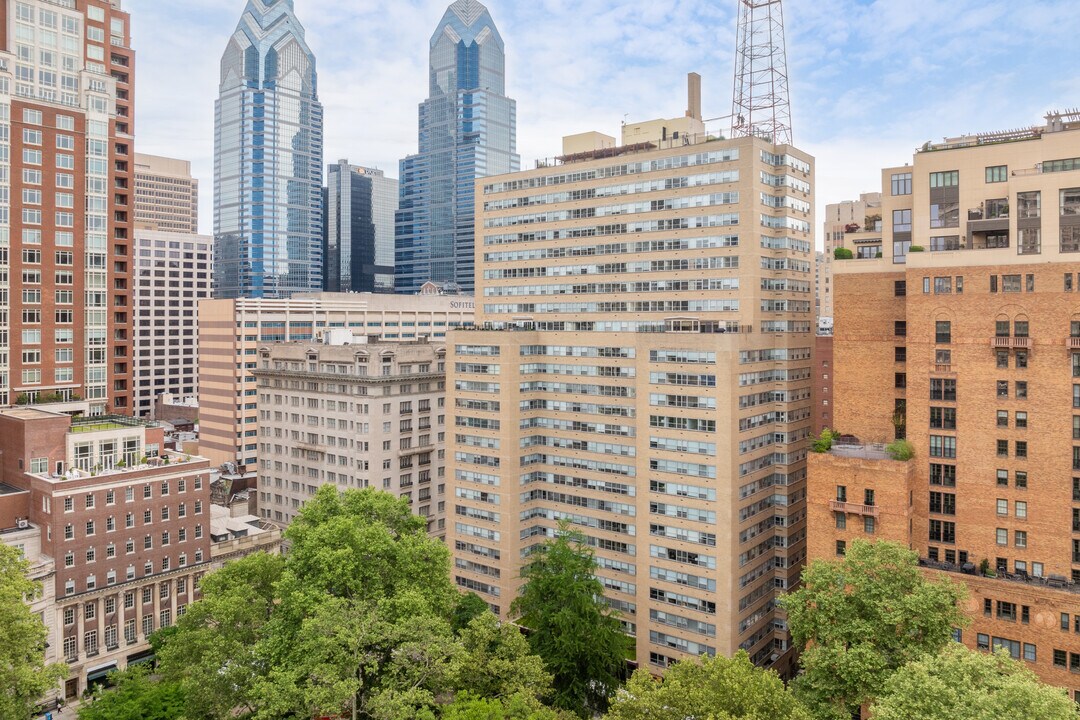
870 80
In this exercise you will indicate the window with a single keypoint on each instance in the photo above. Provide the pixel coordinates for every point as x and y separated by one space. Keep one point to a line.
900 354
942 446
900 328
997 173
945 215
945 179
943 332
901 184
1021 449
868 525
942 531
1028 205
1002 536
1003 388
1003 448
943 475
900 380
943 286
1020 537
841 493
901 220
841 521
1020 509
1021 390
945 389
1021 478
1002 507
943 418
899 288
841 547
1003 418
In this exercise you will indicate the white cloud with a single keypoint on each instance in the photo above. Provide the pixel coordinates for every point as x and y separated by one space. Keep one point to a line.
870 80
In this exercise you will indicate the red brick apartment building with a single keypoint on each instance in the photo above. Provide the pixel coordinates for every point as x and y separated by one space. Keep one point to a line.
964 336
66 143
116 528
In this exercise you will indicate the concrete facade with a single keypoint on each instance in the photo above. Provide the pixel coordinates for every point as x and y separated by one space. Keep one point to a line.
232 331
970 349
166 195
646 378
354 415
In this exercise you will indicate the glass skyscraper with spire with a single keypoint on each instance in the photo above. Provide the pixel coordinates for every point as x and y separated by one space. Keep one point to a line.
468 130
268 159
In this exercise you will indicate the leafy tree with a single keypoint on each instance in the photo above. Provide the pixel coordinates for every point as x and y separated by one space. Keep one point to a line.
496 662
718 688
516 707
958 684
859 619
24 676
468 606
135 696
579 638
362 660
361 624
211 650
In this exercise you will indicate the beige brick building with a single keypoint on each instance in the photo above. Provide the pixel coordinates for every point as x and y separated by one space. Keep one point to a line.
964 338
232 331
851 224
354 414
641 370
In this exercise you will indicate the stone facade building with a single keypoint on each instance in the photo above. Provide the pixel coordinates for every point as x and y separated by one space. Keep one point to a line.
355 415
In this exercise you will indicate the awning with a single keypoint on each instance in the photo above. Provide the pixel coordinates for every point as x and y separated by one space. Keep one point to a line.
100 671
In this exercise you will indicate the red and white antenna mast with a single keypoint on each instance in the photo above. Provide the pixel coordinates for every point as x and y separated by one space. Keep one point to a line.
760 104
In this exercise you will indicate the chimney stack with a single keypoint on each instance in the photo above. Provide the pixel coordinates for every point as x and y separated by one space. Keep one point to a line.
693 92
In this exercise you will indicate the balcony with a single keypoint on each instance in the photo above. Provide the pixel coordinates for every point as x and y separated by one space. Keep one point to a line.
1059 582
1006 343
853 508
1073 343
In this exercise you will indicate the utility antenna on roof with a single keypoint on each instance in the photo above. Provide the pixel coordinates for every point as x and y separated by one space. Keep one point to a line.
760 104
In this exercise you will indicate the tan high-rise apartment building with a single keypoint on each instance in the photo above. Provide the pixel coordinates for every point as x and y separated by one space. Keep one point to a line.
851 224
641 370
965 337
66 114
355 414
232 331
166 195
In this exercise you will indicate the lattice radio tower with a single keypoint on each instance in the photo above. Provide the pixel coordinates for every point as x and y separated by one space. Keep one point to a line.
760 104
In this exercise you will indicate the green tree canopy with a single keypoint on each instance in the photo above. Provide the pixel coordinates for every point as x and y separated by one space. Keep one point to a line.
468 606
135 696
579 638
24 676
469 707
361 626
716 688
858 619
496 662
958 684
212 648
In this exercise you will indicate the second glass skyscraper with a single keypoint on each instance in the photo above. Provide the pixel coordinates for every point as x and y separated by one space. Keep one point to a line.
468 129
